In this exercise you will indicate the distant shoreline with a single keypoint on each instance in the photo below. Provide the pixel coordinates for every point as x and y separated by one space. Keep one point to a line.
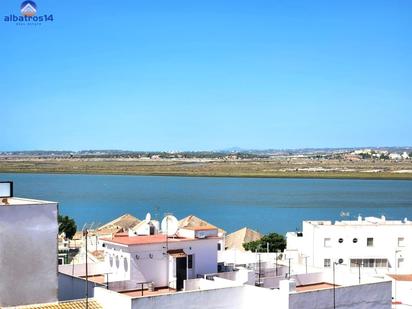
342 176
279 168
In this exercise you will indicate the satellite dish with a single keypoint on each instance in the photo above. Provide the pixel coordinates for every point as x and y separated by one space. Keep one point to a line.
169 225
148 218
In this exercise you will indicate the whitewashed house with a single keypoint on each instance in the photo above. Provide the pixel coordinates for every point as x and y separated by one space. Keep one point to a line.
375 244
405 155
165 261
395 156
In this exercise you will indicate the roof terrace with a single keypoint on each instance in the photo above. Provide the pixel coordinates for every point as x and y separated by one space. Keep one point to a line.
18 201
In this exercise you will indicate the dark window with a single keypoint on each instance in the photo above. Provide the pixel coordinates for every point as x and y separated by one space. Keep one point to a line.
355 240
190 261
340 240
340 261
219 246
369 242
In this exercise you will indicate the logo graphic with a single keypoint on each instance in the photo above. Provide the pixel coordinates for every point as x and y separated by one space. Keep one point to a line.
28 17
28 8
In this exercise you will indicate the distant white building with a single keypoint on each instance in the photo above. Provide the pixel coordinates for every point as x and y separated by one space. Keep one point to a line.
28 250
374 244
405 155
395 156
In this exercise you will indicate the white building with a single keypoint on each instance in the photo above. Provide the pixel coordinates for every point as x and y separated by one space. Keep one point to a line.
374 244
165 261
395 156
227 294
28 250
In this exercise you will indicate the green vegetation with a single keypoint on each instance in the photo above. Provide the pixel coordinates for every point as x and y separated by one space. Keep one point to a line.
274 241
67 226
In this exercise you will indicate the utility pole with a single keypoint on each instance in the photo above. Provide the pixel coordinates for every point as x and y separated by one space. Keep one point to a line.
306 263
396 271
259 269
334 290
87 280
289 270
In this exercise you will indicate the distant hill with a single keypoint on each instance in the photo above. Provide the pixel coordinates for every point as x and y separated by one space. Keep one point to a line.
246 153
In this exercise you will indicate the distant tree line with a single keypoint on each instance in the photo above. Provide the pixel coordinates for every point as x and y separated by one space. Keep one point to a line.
67 225
275 242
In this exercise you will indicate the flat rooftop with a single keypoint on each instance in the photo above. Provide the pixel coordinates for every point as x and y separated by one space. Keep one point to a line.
314 287
100 279
19 201
146 293
367 221
150 239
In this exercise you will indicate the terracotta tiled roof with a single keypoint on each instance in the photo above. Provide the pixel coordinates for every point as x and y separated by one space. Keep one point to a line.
77 304
78 235
238 238
142 223
401 277
123 222
99 254
200 228
106 231
193 221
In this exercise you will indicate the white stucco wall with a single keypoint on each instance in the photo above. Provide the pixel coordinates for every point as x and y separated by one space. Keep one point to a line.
28 254
149 263
118 263
225 298
109 299
364 296
403 292
235 297
79 270
261 298
301 279
385 243
241 275
225 294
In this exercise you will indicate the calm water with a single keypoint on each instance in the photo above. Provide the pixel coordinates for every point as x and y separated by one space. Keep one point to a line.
231 203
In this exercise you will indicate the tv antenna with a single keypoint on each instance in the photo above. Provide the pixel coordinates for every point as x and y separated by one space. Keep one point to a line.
148 218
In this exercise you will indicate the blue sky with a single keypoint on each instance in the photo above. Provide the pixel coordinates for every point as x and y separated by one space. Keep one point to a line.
198 75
